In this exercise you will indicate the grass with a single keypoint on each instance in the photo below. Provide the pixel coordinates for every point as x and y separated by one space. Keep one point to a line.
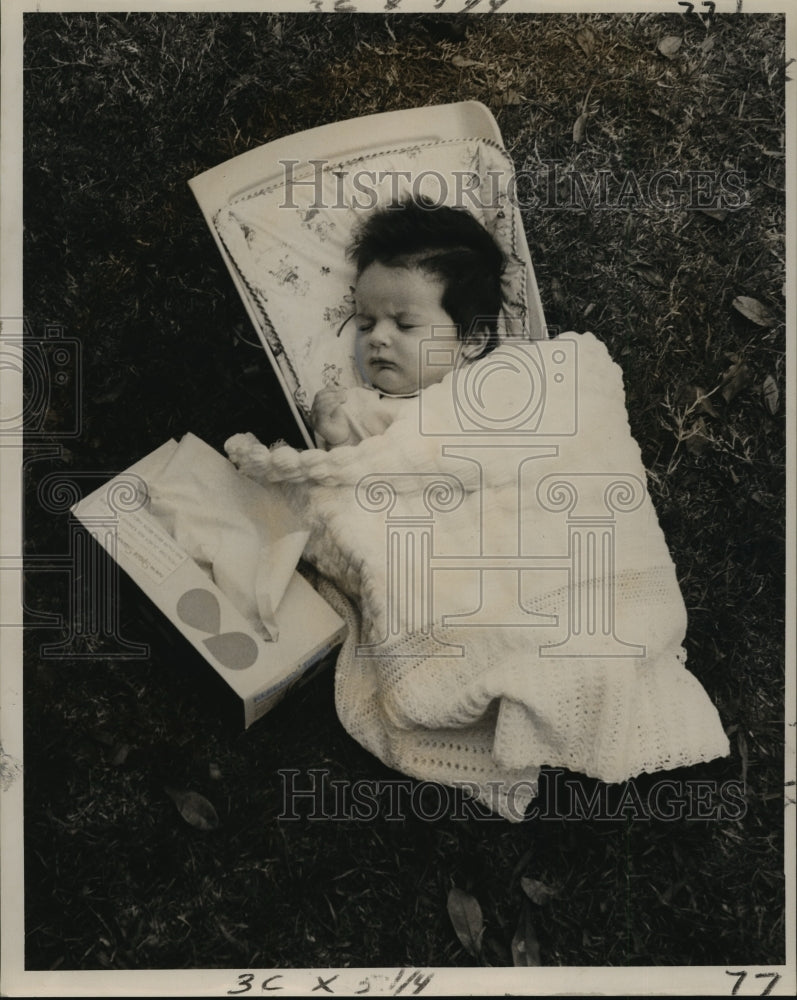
120 110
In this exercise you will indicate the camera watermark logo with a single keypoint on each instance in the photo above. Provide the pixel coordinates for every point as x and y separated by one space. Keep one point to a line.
514 407
511 392
42 389
49 369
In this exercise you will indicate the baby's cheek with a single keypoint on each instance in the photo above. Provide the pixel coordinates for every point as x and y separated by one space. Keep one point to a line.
436 367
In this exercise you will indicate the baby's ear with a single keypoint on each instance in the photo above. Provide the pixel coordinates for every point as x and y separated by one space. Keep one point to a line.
476 342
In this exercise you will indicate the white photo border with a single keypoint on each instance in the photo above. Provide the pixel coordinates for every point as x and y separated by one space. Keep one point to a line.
16 981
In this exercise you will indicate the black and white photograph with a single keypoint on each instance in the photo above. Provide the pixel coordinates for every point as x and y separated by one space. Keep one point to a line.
398 543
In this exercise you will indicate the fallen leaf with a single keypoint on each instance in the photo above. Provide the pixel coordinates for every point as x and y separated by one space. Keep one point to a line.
557 295
736 378
463 63
771 394
753 310
194 808
649 274
698 440
538 892
744 754
512 97
703 400
525 947
720 214
579 126
466 918
669 45
119 755
586 41
696 396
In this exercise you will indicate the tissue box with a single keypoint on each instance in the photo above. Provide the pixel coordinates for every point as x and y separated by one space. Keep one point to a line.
258 672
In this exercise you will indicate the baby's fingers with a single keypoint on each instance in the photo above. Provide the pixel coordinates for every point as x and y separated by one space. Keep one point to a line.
327 402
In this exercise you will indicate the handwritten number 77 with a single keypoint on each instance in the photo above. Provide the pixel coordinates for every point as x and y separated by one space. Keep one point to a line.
773 978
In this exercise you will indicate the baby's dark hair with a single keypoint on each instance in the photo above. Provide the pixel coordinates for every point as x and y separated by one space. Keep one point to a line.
446 242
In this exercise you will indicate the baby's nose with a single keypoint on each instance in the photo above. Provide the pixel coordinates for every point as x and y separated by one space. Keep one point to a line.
380 333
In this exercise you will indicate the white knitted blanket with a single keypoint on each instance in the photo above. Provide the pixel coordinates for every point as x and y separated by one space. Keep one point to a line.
514 601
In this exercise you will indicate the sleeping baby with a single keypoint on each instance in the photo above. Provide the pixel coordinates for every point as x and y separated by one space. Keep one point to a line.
557 639
423 271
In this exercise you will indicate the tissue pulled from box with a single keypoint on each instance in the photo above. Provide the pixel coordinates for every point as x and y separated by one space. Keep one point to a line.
243 534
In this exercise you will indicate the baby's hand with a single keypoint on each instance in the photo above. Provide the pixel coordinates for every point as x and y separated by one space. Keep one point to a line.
327 417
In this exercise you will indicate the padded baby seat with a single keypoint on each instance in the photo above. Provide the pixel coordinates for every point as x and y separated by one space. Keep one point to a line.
283 215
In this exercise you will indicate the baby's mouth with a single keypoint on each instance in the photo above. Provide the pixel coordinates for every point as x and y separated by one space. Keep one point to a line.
382 364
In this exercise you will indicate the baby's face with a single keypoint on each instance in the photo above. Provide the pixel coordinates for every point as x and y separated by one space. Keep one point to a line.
396 309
